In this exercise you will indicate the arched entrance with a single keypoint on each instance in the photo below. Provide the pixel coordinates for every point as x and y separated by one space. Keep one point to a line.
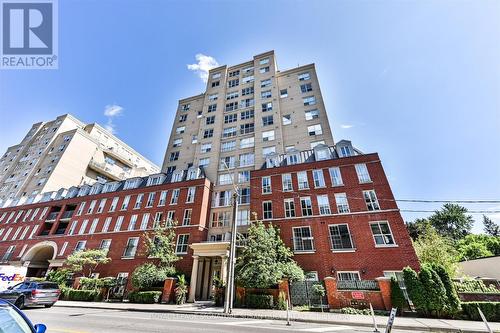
37 258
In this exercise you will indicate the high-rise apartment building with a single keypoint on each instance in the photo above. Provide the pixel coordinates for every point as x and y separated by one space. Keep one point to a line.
248 111
66 152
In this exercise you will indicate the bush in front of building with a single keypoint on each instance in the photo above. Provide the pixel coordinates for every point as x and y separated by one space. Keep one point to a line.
397 297
469 285
148 275
255 301
82 295
491 310
145 297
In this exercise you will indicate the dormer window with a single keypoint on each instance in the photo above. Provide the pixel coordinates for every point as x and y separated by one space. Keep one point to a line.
72 192
47 196
84 190
96 188
131 183
155 180
345 151
321 152
293 156
193 173
177 176
272 161
110 187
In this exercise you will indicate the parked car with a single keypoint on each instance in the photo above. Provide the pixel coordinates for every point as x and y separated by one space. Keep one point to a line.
29 293
12 320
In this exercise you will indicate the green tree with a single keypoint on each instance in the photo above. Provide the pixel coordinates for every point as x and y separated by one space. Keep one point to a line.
434 290
86 261
265 259
478 246
432 248
417 227
148 275
453 301
490 227
160 244
452 221
415 289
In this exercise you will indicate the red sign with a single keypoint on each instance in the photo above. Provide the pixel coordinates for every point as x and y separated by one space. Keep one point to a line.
358 295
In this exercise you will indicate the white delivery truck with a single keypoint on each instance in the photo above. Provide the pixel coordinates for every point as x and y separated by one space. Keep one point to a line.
11 275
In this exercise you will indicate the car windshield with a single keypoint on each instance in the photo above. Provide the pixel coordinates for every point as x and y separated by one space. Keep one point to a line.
11 321
47 286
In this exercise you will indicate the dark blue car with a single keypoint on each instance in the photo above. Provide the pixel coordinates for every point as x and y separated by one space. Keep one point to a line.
12 320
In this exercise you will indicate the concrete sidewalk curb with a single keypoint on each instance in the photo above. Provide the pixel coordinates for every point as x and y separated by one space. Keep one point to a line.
424 327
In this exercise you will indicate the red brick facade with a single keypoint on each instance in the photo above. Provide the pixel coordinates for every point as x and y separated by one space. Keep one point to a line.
367 259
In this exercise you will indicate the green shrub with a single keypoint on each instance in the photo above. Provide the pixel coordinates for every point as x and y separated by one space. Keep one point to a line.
254 301
469 285
59 276
397 296
452 301
435 292
414 288
82 295
281 305
146 297
148 275
354 311
491 310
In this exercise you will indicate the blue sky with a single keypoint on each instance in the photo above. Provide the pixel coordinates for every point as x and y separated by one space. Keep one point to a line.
416 81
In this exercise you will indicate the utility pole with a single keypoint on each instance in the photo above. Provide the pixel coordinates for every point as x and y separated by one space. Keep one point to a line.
229 297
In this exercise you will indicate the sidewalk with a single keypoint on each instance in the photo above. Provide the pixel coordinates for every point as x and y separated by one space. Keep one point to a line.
421 324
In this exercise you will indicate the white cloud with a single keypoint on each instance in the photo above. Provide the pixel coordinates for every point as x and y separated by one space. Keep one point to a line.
346 126
112 111
205 63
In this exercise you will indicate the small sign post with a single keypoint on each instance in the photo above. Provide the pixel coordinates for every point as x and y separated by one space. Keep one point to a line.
392 316
375 328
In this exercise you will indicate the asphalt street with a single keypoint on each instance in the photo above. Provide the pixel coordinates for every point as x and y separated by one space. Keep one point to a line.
74 320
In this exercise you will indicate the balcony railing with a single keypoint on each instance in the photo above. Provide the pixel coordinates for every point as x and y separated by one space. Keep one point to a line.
357 285
112 171
52 216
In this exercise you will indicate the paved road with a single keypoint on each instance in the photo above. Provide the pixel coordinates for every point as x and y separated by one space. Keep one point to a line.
75 320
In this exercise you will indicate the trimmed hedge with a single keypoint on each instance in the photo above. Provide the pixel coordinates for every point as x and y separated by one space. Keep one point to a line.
259 301
491 310
145 297
82 295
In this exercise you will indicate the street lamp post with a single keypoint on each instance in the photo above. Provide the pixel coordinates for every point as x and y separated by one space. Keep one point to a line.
228 302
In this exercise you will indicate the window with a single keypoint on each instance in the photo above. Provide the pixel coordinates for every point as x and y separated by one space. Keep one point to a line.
314 130
248 114
228 146
266 185
132 222
231 106
382 233
227 162
345 151
185 107
248 102
183 118
93 226
302 239
267 208
244 176
100 208
212 108
371 200
335 176
289 208
91 207
267 120
105 244
319 180
177 143
286 180
182 244
247 91
63 248
170 216
362 172
186 220
163 198
304 76
83 227
118 224
208 133
72 228
243 217
342 204
215 84
204 161
246 159
213 97
180 129
268 136
107 222
312 114
157 219
264 61
220 219
174 156
80 246
306 206
302 180
131 247
244 196
138 201
246 128
125 202
131 183
175 196
210 120
145 221
190 194
348 276
269 150
265 83
267 107
233 83
247 143
266 94
225 179
113 205
305 88
206 147
323 204
283 93
286 119
230 118
229 132
340 237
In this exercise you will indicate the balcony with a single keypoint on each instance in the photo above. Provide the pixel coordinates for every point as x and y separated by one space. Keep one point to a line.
67 215
111 171
120 156
52 217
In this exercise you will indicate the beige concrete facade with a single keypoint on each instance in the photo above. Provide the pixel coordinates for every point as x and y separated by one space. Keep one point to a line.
66 152
248 111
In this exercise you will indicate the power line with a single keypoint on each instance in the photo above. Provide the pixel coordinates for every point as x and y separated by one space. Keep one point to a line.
433 211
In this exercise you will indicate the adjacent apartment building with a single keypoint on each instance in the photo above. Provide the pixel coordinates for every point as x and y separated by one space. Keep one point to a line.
256 131
66 152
